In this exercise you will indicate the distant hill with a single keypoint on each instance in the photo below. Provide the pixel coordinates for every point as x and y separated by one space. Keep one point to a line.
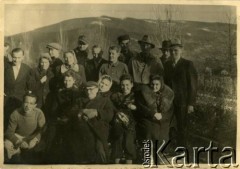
204 42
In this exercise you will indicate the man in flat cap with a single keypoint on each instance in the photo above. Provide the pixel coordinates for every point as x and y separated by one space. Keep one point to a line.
126 53
54 50
181 76
91 129
81 50
145 64
165 51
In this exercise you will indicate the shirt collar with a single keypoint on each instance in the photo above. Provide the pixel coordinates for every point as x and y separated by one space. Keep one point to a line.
114 64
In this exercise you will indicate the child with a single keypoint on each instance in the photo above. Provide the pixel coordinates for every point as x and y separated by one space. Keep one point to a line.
123 131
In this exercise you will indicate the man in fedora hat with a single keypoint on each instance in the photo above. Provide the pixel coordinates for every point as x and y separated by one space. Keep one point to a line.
126 53
54 50
81 50
145 64
165 51
181 76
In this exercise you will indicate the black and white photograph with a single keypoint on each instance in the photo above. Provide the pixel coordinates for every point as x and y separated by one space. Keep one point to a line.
120 84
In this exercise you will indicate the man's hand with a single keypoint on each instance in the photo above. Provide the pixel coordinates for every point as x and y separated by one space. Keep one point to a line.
24 145
123 117
43 79
158 116
190 109
33 142
131 106
90 113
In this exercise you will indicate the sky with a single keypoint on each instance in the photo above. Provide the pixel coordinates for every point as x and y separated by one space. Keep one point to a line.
25 17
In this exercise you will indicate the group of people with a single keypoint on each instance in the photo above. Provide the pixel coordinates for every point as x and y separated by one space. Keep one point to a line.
76 110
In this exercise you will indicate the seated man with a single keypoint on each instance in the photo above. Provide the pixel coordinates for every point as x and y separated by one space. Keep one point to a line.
24 128
90 130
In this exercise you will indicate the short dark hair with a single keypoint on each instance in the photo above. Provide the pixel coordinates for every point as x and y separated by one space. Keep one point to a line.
159 78
16 50
116 48
30 94
126 77
70 73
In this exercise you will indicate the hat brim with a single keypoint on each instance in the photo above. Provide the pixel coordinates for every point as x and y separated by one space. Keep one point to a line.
176 45
51 47
85 42
152 45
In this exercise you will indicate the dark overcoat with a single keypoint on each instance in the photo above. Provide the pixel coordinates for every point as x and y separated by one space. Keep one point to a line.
147 105
35 85
182 79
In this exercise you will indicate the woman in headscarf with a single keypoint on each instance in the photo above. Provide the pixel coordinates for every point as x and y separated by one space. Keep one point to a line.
70 63
40 78
105 83
155 110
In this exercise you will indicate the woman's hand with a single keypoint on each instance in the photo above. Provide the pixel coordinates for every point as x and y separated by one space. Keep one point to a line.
158 116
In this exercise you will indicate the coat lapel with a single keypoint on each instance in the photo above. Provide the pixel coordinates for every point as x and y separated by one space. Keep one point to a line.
20 73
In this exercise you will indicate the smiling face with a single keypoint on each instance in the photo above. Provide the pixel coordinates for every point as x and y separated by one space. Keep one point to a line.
68 82
69 58
126 86
176 52
104 85
156 85
17 58
44 64
113 56
29 104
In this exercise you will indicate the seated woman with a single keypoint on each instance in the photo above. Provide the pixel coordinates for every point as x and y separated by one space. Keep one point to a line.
123 129
24 131
105 83
91 128
59 123
40 78
155 107
70 63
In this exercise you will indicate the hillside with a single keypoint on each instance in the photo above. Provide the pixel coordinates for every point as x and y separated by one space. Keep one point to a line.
205 43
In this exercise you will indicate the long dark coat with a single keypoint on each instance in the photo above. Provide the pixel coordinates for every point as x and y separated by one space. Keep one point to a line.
14 90
148 103
182 79
85 133
35 85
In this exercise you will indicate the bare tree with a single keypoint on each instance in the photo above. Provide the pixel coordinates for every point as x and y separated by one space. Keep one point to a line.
26 44
166 25
62 37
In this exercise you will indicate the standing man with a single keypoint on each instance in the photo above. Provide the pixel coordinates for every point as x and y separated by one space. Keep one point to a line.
54 50
94 64
126 53
82 50
145 64
16 76
165 51
114 68
181 76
